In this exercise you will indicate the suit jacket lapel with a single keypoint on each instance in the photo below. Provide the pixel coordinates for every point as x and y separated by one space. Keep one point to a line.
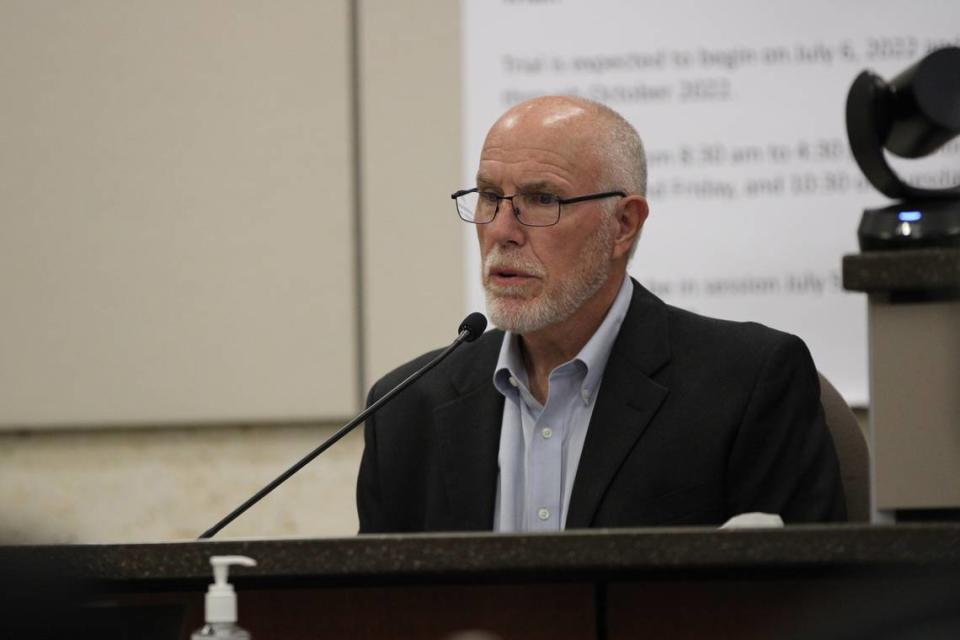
628 400
469 436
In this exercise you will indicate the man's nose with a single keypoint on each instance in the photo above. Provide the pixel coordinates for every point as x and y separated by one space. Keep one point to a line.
505 226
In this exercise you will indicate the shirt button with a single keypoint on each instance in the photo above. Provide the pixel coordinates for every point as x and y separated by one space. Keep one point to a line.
543 513
585 395
514 382
547 432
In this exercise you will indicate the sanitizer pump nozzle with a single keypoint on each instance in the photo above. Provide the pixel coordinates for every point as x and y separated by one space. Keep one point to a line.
220 606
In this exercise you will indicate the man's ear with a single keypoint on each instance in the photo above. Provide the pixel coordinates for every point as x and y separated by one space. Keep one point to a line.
631 213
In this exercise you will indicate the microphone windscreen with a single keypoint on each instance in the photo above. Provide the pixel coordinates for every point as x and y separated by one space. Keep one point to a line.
474 324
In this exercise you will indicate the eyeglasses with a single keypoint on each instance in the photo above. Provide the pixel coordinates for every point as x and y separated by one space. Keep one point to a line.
533 209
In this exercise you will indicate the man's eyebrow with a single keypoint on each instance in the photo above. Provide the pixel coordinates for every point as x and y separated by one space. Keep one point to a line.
484 184
541 186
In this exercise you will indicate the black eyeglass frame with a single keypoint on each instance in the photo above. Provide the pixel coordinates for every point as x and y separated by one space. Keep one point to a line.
516 211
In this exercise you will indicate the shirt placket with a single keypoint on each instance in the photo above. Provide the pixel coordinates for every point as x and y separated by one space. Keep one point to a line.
545 456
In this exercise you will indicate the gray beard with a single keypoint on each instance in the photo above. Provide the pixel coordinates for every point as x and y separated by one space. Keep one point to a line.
542 312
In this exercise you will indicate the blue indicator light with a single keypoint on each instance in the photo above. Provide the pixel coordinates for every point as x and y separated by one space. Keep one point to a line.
909 216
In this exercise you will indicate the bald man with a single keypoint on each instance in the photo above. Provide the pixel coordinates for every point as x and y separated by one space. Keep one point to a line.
594 403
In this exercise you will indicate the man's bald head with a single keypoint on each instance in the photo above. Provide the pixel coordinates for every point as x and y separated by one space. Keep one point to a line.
569 271
585 127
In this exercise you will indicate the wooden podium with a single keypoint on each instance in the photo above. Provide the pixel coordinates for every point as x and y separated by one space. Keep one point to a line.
682 583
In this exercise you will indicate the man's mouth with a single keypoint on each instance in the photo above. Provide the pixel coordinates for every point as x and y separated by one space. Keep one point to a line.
510 283
510 274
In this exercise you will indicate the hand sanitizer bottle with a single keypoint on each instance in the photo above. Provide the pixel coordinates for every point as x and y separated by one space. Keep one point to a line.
220 607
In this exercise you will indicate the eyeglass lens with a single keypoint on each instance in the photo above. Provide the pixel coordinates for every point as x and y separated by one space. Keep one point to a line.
534 209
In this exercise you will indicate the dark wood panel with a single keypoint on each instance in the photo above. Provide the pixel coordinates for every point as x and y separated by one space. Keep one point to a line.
530 611
806 607
422 612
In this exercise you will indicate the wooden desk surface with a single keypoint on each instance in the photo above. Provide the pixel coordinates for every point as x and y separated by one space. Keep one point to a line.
585 584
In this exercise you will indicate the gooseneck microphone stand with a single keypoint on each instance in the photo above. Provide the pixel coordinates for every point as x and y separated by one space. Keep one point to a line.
470 329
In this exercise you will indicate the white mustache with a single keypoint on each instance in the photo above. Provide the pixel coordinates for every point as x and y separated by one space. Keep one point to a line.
501 260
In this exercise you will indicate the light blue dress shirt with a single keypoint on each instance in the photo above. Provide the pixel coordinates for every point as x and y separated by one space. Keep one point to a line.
540 445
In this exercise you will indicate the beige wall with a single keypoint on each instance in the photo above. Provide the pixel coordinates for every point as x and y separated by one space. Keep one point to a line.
118 485
189 462
410 68
175 185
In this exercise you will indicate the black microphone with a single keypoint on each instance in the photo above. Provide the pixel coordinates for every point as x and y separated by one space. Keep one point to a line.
470 329
473 325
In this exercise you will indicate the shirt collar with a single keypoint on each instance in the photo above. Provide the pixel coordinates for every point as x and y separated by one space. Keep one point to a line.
593 356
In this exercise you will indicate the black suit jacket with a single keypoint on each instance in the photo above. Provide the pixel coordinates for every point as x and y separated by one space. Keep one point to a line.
697 420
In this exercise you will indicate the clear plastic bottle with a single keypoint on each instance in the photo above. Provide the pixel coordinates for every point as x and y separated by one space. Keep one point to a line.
220 606
224 630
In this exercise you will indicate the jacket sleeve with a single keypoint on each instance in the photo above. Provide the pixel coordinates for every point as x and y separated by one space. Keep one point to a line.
369 507
783 460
